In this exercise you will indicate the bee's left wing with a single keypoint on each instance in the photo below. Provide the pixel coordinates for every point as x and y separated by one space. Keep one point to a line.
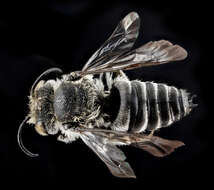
120 42
113 157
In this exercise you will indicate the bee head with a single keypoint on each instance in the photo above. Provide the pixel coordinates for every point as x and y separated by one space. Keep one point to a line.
40 107
38 103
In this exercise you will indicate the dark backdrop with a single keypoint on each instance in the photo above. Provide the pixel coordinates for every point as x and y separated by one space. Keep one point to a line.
35 36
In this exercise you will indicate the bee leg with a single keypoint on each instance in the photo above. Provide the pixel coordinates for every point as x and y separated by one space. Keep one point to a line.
120 75
151 133
72 76
63 139
109 80
123 75
68 136
111 76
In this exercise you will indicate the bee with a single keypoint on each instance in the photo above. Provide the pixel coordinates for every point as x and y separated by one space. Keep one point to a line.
100 105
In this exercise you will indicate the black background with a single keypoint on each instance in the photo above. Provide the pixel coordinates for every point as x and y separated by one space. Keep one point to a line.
35 36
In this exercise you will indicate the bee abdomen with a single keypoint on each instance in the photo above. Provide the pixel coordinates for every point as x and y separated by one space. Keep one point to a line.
156 105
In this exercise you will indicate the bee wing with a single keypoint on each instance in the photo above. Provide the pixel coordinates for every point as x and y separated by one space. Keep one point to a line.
121 41
152 53
113 157
158 146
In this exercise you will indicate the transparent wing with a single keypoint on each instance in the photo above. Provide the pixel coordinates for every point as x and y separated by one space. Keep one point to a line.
152 53
113 157
121 41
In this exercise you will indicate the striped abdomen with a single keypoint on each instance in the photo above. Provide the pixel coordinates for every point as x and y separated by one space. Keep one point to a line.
149 106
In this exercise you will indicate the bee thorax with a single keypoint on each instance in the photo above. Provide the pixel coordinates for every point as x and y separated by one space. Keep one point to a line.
74 102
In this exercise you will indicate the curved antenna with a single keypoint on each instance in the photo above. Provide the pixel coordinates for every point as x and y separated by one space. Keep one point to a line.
51 70
19 139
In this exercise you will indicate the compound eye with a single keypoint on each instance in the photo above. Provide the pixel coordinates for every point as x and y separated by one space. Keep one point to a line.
46 73
40 129
39 85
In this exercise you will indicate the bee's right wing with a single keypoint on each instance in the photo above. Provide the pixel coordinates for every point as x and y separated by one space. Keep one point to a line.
113 157
120 42
152 53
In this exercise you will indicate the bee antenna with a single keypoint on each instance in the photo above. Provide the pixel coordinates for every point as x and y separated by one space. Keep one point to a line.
19 139
51 70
